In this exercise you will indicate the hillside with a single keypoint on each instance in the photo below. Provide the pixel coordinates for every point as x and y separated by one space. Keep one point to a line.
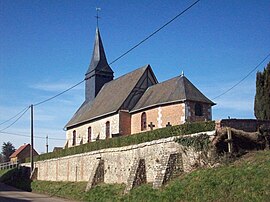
247 179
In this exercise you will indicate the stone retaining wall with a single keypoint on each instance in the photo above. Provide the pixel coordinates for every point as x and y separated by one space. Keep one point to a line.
118 162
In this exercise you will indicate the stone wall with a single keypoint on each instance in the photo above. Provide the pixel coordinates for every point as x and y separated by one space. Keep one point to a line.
98 130
248 125
117 162
159 116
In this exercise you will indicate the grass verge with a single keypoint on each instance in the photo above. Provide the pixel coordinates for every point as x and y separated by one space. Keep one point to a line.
244 180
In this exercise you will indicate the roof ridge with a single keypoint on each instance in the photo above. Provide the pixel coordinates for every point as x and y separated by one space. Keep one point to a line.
145 66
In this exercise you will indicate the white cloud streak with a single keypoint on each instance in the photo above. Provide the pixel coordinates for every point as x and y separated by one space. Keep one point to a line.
54 87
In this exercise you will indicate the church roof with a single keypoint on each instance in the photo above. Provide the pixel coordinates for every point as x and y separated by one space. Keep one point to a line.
110 98
172 90
99 60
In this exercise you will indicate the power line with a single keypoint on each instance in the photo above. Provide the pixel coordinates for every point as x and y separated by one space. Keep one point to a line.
13 116
118 58
39 103
152 34
15 120
242 78
21 135
125 53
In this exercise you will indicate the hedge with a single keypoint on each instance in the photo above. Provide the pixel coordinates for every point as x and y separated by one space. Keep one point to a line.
184 129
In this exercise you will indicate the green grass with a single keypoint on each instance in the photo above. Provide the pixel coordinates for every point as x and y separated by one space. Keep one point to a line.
2 172
247 179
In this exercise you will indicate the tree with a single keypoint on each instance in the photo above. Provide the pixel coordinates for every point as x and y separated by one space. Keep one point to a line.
1 158
7 150
262 97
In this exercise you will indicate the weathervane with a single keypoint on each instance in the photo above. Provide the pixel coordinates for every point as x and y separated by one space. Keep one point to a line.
97 16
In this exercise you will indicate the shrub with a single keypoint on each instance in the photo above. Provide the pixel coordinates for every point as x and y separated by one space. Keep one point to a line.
184 129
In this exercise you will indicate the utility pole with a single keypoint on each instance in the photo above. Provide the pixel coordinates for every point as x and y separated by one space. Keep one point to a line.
47 145
32 138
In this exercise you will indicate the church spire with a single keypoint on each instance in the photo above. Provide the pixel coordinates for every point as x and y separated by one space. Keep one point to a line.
99 71
99 60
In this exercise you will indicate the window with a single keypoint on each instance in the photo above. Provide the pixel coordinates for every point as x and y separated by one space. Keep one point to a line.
143 121
74 138
107 129
198 109
89 133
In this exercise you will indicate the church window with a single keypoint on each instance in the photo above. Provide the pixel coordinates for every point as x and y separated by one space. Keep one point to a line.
198 109
107 129
74 138
143 121
89 133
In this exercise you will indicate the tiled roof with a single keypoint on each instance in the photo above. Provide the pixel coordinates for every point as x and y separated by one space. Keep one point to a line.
172 90
18 151
110 98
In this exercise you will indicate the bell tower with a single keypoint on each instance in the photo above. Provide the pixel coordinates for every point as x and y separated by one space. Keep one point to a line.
99 71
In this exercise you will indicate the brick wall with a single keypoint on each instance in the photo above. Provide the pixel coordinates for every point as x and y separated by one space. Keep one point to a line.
190 110
124 122
248 125
159 116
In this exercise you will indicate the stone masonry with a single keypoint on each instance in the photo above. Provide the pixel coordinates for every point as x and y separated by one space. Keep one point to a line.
170 165
137 175
117 163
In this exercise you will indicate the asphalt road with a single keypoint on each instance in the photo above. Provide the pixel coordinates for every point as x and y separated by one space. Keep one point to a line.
12 194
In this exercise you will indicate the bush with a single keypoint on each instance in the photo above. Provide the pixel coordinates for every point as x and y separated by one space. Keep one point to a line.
184 129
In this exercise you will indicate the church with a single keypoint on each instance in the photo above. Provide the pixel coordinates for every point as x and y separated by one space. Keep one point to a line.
133 103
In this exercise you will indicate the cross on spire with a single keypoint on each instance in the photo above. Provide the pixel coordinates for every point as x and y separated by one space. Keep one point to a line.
97 16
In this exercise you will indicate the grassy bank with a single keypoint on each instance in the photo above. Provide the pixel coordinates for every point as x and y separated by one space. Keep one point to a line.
2 172
244 180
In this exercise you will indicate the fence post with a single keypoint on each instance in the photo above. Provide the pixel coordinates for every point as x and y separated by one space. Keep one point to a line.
229 140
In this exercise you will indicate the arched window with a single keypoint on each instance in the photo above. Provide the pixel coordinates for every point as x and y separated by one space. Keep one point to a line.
143 121
107 129
198 109
74 138
89 133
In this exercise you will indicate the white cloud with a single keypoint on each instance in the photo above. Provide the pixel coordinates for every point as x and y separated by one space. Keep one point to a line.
55 87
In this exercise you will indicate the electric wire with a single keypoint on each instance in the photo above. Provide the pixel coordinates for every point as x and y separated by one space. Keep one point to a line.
13 116
156 31
21 135
125 53
46 100
15 120
242 78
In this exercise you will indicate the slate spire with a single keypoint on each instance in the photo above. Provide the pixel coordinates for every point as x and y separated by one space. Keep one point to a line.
99 71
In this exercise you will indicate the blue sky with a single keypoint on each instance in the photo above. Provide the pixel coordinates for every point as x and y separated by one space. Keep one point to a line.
46 46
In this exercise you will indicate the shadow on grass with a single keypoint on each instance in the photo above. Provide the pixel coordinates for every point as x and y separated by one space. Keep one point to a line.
18 177
59 189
